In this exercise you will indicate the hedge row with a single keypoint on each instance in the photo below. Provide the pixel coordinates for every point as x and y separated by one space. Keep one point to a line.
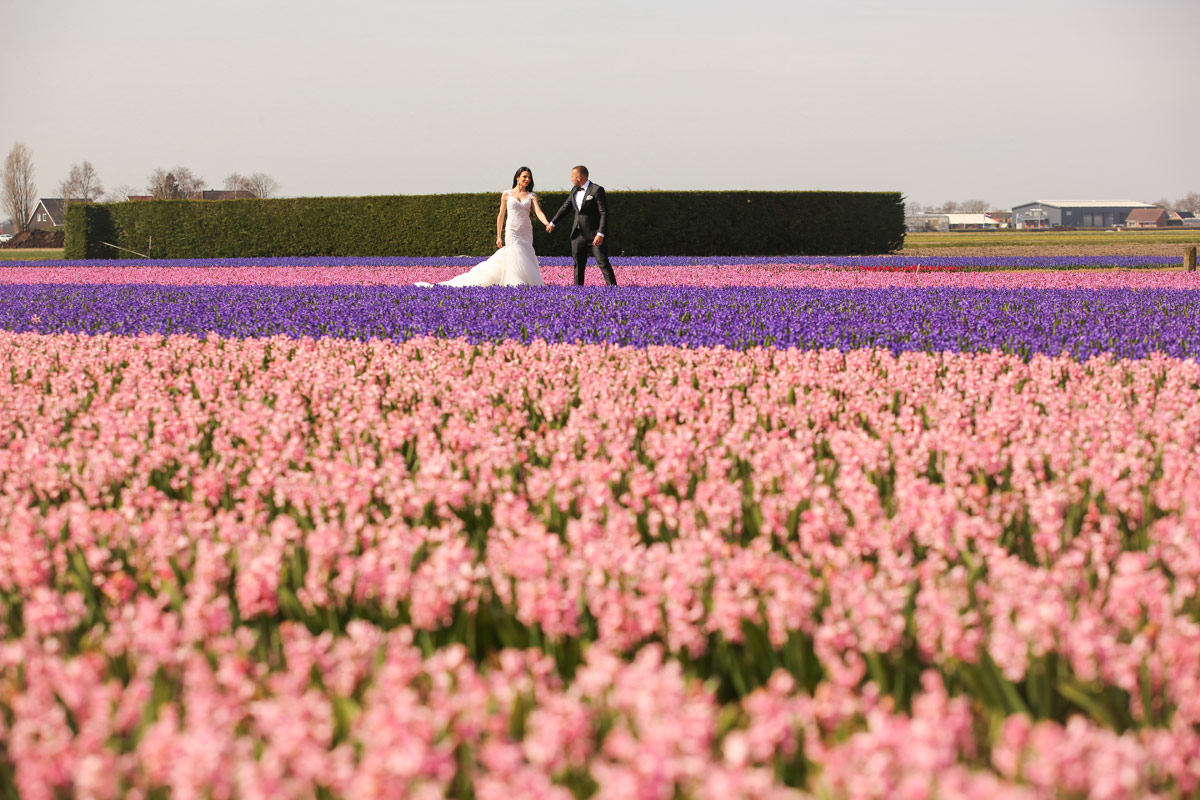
640 224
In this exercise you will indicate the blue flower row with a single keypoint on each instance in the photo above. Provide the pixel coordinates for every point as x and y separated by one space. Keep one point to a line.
1126 323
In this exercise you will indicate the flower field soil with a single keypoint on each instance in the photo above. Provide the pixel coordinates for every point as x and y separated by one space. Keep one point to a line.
28 240
290 531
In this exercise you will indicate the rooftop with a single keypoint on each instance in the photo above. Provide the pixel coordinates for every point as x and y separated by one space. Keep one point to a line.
1145 214
970 219
1089 204
54 206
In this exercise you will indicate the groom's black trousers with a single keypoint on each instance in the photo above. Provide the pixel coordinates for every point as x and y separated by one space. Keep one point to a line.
581 247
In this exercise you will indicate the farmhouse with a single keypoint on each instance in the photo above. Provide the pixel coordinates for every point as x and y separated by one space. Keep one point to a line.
1074 213
224 194
1185 219
48 214
1146 218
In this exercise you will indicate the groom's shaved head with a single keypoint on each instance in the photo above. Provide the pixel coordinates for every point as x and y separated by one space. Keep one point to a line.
581 169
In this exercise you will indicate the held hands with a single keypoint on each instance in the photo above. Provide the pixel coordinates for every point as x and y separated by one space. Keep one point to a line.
597 241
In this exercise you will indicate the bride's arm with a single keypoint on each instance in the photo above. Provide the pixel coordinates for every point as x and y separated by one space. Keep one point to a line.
500 219
537 209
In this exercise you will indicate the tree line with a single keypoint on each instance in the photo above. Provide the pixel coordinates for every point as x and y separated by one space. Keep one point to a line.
951 207
1189 202
19 195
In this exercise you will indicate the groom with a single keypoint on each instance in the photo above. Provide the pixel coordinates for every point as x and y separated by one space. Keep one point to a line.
590 205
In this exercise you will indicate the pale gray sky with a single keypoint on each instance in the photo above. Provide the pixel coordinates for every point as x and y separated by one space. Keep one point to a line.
941 100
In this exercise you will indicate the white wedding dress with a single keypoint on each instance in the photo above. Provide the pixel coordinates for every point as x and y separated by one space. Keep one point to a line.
515 264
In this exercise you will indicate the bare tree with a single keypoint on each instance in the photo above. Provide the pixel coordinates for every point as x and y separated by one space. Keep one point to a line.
18 193
912 208
949 207
162 185
235 182
190 185
82 184
120 194
975 206
1191 202
177 184
1164 203
260 184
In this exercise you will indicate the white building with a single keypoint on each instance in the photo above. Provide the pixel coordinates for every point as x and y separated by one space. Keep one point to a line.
951 222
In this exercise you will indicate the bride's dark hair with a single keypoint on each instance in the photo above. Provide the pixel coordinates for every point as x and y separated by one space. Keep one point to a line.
518 174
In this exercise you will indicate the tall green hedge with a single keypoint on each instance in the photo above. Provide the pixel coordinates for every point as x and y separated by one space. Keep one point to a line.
640 224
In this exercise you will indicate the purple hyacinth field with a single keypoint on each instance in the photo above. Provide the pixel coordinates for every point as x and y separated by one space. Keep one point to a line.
861 527
1128 323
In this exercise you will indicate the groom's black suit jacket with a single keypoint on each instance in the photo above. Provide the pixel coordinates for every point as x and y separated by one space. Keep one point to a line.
592 217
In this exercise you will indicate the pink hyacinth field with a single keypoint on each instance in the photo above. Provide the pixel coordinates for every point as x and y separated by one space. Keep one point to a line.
273 567
779 276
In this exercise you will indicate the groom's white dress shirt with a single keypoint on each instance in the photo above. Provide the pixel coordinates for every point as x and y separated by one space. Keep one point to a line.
579 199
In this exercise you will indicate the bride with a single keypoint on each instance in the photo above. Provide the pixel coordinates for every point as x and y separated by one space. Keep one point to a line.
514 263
